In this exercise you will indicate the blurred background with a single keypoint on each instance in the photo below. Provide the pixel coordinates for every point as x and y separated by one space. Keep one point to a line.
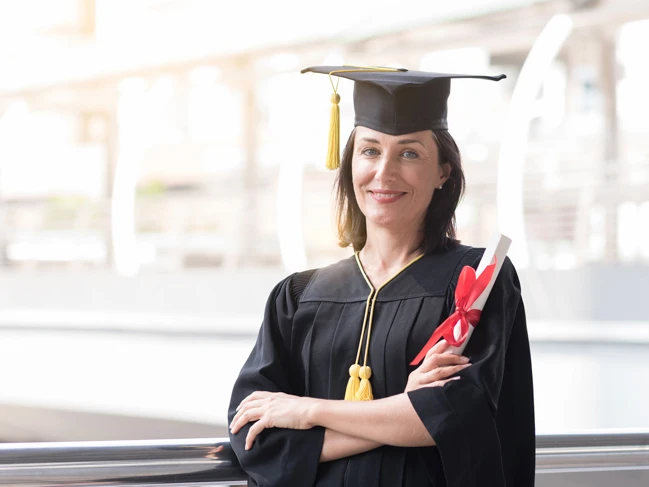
162 167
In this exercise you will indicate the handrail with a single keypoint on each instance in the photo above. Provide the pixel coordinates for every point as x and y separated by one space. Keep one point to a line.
592 452
134 463
211 461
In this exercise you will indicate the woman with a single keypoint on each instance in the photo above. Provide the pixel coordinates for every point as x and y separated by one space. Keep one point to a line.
350 330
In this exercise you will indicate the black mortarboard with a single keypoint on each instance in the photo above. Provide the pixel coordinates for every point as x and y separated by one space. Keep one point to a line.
390 100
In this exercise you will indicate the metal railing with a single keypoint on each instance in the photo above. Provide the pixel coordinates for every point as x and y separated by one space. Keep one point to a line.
134 463
561 460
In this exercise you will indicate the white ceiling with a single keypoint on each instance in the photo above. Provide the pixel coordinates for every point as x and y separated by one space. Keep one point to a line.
137 34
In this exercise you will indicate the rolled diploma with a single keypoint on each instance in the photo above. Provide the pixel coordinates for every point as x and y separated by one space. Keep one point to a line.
498 247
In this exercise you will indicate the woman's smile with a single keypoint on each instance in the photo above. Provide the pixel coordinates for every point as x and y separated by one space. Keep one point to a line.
385 196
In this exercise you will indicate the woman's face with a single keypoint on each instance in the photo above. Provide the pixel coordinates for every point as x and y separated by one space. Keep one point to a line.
395 176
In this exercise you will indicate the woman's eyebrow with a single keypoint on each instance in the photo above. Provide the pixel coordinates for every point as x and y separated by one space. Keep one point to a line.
409 141
371 141
401 142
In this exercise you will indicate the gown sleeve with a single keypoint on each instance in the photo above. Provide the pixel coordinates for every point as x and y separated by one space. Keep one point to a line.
279 457
462 417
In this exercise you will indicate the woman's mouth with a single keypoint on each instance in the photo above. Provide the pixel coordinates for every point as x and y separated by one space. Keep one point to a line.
386 196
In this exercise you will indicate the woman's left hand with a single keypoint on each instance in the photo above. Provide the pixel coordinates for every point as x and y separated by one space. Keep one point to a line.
271 410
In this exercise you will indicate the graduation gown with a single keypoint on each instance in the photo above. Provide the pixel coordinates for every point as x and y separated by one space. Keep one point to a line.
482 424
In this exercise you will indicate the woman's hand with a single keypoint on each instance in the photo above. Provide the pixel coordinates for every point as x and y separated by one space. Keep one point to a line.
271 410
436 368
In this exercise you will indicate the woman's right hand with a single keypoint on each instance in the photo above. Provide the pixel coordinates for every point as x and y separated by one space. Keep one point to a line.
437 368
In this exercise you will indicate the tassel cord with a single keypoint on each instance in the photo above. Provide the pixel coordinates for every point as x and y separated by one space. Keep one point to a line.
363 391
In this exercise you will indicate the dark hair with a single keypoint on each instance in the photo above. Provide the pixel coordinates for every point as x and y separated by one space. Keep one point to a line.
439 231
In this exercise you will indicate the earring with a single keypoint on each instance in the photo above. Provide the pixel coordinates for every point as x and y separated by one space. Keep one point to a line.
439 187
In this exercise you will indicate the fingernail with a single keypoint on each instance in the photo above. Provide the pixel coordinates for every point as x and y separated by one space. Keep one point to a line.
464 359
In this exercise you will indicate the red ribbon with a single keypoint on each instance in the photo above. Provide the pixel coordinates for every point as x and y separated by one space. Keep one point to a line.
468 289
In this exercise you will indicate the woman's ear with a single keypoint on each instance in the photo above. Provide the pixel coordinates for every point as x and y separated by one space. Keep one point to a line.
446 171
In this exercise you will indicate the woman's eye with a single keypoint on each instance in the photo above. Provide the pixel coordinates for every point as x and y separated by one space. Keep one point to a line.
370 152
410 154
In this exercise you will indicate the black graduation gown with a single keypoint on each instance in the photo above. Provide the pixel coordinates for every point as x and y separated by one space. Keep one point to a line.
482 424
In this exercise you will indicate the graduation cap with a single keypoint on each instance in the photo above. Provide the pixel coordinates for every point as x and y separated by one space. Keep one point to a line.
394 101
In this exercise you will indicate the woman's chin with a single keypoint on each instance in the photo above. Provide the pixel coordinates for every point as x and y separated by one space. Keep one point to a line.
385 219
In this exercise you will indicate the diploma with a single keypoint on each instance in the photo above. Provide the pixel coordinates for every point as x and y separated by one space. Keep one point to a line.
471 293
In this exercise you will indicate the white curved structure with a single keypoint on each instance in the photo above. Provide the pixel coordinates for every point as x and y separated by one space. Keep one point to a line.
512 150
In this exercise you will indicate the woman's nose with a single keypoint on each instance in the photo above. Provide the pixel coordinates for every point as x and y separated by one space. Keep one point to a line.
385 169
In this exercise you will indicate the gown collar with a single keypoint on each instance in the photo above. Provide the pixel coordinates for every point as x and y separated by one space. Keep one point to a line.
344 282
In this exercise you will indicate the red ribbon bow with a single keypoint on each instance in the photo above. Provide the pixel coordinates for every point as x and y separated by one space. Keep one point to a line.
468 289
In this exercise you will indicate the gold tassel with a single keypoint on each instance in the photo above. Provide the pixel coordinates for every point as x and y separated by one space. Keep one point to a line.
365 390
333 151
352 383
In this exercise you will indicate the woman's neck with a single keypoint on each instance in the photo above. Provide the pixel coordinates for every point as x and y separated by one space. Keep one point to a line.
387 251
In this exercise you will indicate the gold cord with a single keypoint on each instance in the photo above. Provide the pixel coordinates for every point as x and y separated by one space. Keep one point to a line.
363 391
